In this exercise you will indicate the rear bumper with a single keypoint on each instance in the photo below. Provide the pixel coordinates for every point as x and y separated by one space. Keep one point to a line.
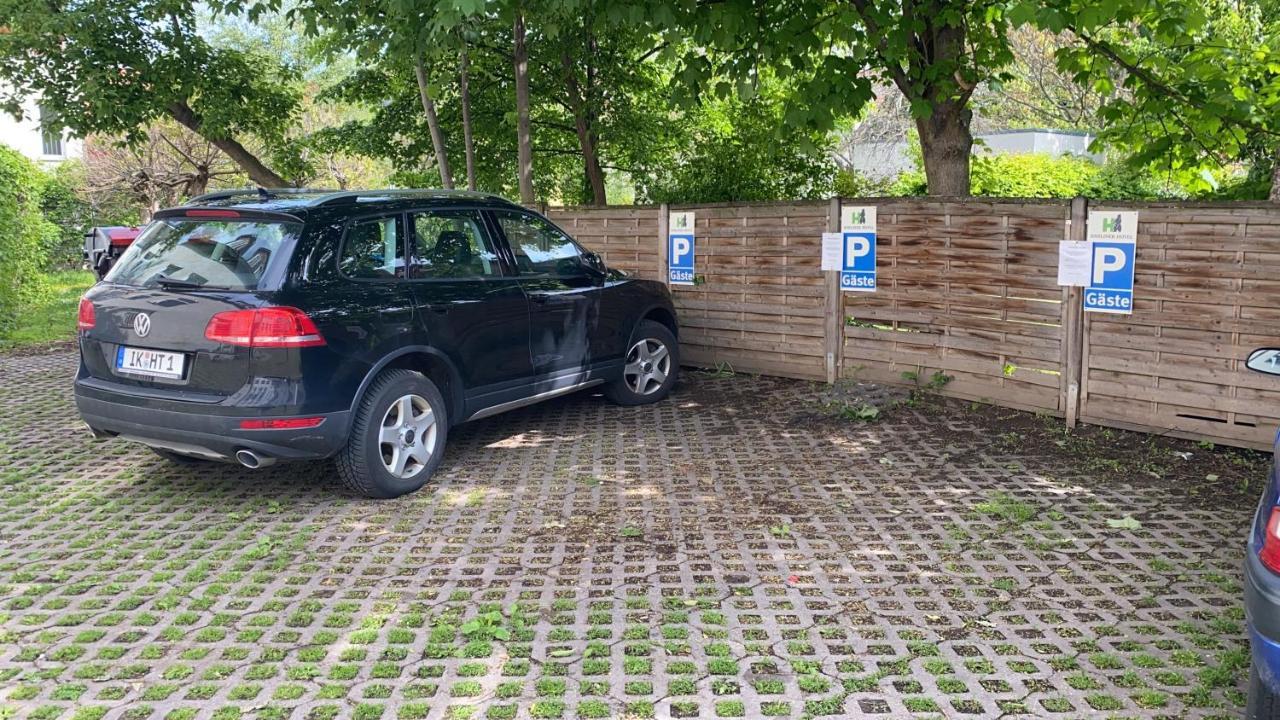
197 432
1262 613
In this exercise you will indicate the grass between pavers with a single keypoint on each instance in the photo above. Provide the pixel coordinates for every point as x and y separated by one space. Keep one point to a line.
53 318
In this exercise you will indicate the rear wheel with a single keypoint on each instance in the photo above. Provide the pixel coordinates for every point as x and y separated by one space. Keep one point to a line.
651 367
397 439
1263 704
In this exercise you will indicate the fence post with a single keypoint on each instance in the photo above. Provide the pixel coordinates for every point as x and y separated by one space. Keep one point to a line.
1073 321
833 320
664 217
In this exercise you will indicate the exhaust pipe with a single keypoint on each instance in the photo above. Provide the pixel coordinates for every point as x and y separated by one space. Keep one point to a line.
97 434
253 460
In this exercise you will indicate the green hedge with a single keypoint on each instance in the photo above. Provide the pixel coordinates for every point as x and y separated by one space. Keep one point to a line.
62 205
1035 175
24 235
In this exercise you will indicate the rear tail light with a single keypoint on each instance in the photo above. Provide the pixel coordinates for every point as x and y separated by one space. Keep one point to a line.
268 327
212 214
281 423
85 316
1270 552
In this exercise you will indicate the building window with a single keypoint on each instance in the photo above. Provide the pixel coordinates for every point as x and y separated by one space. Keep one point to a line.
50 133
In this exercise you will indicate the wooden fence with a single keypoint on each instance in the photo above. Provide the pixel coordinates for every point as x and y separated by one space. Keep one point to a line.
967 289
1206 292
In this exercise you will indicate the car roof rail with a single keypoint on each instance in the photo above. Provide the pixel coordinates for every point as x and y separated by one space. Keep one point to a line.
265 193
351 196
322 197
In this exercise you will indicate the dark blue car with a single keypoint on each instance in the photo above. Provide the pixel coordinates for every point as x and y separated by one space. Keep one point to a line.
1262 579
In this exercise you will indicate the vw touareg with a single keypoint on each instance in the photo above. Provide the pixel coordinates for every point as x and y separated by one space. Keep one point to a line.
262 326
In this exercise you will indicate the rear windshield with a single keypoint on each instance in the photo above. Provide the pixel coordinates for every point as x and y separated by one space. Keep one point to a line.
199 253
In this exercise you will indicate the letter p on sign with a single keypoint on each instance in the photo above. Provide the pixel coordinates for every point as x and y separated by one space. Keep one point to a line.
680 247
855 246
1106 259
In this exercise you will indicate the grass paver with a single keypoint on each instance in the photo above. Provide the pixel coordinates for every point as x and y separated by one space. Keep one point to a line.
741 550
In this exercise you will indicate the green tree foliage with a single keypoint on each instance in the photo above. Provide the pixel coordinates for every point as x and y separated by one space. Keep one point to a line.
1189 85
730 151
115 66
612 87
24 235
935 52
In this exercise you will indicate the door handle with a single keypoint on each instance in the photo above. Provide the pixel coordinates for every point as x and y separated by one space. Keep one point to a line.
540 299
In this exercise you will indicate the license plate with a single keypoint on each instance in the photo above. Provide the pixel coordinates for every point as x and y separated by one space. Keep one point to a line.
155 363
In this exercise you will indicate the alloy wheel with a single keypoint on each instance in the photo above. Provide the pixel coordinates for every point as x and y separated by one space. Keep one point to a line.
648 363
407 436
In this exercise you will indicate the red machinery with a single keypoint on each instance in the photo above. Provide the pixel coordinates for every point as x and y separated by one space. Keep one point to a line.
104 245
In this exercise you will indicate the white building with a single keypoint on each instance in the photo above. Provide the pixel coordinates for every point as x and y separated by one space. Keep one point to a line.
37 136
888 159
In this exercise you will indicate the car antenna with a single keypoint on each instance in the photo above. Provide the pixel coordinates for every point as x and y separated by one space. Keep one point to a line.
263 194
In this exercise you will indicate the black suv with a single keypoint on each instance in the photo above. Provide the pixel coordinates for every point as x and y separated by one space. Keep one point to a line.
283 325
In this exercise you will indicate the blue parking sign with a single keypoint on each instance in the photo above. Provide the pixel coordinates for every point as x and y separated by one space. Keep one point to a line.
858 271
858 256
1113 245
680 245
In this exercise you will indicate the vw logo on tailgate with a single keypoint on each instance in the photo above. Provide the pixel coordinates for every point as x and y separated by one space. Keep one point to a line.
141 324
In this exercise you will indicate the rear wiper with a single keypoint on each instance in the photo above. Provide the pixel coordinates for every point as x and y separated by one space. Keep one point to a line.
170 283
167 283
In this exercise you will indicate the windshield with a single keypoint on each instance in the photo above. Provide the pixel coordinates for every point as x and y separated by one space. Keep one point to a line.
199 253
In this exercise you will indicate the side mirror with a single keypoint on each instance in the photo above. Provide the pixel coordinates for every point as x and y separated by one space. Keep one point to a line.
594 262
1266 360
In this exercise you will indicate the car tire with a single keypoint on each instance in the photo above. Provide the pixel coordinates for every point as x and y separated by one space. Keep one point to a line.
1263 704
651 366
179 458
395 446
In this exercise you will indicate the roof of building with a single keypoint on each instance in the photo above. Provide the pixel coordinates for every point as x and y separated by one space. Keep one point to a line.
1047 131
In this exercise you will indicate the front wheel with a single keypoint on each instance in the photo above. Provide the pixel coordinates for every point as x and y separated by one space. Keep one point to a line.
1263 704
651 367
397 438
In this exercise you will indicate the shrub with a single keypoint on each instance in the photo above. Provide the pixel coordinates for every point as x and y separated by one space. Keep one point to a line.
1030 175
24 235
1035 175
62 205
852 183
1120 181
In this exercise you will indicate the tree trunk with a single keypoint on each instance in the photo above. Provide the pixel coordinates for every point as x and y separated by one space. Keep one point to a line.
149 208
591 166
433 124
947 146
1275 179
468 141
524 133
245 160
587 138
945 138
198 184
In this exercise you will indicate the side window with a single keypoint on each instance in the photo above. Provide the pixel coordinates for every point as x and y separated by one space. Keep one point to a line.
373 249
539 247
451 244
